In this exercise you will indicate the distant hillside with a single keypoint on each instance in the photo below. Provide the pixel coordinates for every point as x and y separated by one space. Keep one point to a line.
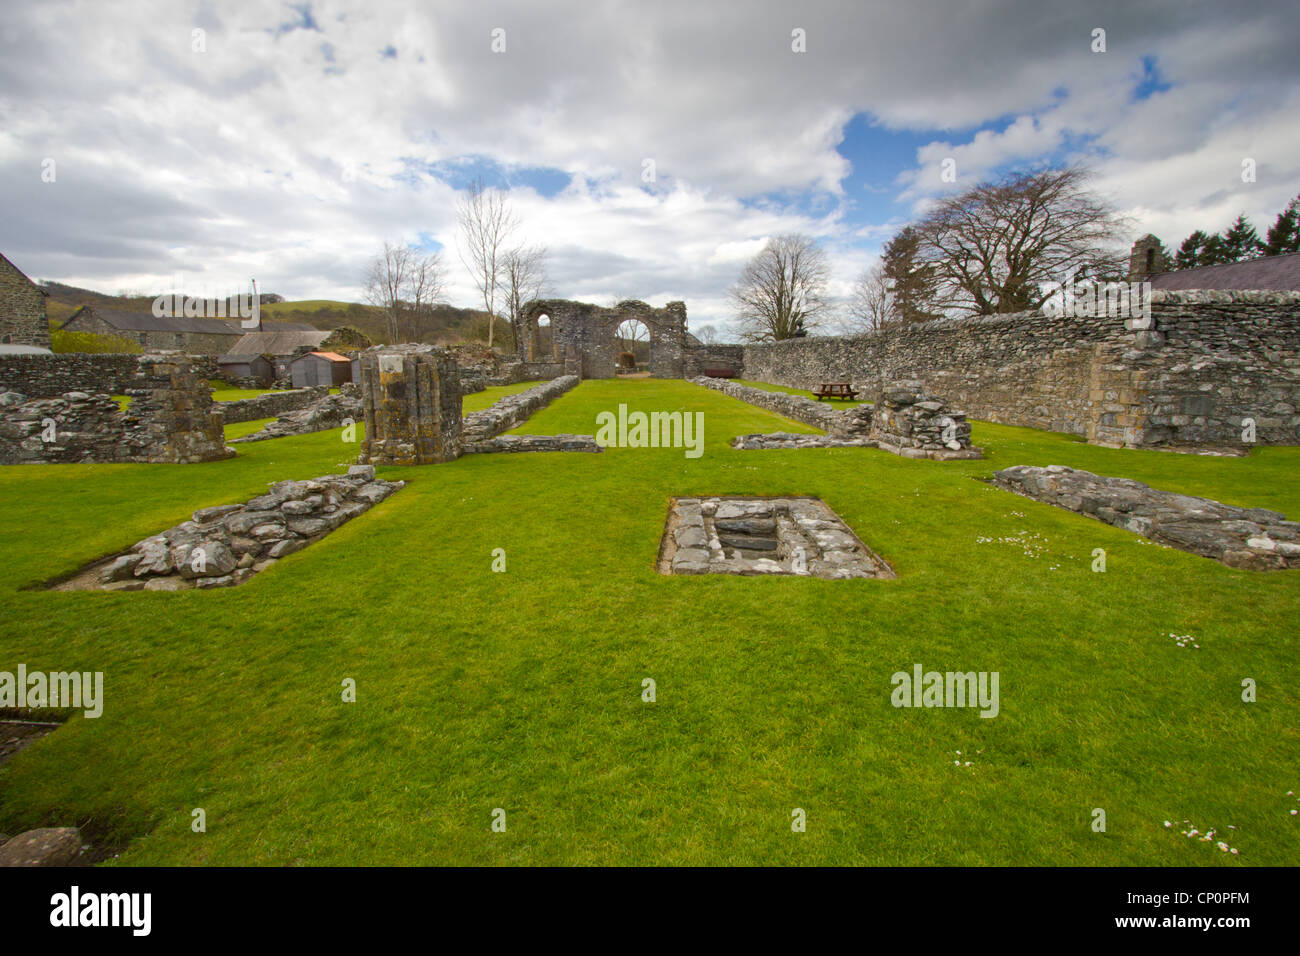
446 324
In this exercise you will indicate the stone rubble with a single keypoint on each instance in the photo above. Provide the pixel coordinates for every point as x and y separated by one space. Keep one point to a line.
1252 538
227 544
908 422
326 412
749 536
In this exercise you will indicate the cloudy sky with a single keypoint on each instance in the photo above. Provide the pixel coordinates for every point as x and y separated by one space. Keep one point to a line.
288 141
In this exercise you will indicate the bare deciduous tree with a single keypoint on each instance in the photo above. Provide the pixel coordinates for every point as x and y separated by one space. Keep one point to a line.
991 246
524 279
872 306
486 223
781 292
707 334
403 284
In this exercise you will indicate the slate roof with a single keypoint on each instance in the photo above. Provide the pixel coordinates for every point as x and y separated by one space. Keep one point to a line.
1273 273
277 342
148 322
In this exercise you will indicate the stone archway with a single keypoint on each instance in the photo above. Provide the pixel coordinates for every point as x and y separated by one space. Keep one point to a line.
585 339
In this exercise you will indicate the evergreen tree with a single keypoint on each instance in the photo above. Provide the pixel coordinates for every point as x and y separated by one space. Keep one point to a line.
1284 235
1189 253
911 281
1213 252
1240 241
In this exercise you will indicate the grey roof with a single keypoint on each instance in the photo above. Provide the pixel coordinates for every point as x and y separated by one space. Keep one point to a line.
1274 273
148 322
276 343
14 348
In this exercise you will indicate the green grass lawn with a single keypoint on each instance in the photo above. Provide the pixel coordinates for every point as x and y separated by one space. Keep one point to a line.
806 393
522 690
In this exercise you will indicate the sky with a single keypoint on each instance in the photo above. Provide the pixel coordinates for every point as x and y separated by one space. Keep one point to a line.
651 147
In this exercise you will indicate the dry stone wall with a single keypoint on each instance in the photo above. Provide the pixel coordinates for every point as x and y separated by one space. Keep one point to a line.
44 376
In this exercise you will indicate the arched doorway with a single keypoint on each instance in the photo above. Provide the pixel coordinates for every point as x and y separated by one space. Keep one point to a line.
632 342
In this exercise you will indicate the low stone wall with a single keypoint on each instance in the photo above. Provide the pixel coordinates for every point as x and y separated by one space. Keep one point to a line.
801 409
44 376
171 419
226 545
1252 538
513 410
326 412
271 404
518 443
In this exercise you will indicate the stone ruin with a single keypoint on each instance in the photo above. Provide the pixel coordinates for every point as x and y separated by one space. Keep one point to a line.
326 412
226 545
411 402
910 423
794 535
171 419
1253 538
904 421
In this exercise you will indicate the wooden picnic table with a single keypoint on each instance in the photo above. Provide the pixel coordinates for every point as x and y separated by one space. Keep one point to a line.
842 390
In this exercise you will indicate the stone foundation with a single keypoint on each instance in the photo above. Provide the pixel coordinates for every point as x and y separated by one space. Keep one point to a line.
798 536
801 409
513 410
1252 538
226 545
907 422
516 443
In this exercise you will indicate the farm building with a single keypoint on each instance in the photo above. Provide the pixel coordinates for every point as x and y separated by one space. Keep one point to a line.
256 367
320 368
22 308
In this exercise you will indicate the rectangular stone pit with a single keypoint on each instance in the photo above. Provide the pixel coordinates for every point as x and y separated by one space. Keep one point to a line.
798 536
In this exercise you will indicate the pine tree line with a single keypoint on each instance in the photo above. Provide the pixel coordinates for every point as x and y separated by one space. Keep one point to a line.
1240 241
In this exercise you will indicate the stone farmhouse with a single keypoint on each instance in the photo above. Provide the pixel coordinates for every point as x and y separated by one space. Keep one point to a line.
22 309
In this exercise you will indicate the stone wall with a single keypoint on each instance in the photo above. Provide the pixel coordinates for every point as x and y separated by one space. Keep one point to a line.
22 308
1209 361
42 376
271 405
703 359
171 418
514 410
801 409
